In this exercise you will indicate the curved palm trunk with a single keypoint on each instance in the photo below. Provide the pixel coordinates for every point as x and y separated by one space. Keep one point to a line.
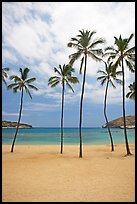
62 110
105 100
81 102
18 121
125 132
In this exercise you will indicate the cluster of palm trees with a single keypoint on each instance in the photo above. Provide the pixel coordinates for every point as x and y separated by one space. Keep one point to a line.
86 46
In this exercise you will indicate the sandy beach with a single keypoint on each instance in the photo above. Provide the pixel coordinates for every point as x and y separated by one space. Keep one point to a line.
41 173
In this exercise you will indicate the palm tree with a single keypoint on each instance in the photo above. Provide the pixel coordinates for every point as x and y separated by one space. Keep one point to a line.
64 76
4 74
107 77
21 83
122 53
131 94
85 47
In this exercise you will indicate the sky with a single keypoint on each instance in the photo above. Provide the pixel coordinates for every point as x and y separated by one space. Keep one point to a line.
35 35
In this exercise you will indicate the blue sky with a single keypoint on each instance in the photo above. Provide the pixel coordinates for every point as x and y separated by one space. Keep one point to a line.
35 35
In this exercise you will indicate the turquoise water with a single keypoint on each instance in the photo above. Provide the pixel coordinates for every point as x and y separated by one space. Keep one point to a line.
71 136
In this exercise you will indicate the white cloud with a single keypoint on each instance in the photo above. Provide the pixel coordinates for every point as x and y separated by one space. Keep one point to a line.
10 114
41 107
8 56
36 34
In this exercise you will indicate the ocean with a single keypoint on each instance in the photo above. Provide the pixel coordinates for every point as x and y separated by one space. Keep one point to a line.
40 136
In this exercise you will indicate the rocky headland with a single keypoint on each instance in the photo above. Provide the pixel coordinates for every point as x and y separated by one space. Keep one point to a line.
118 123
9 124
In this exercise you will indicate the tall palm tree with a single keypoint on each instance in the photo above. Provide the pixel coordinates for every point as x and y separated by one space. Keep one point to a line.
64 76
20 83
131 94
123 54
4 74
107 77
85 46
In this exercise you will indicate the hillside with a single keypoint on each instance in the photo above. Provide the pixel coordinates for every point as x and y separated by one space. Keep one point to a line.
14 124
118 123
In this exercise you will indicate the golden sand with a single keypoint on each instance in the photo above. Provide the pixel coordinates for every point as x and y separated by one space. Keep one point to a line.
41 173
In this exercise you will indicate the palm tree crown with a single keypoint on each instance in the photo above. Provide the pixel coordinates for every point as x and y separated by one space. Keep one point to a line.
64 76
122 52
22 82
131 94
85 46
110 75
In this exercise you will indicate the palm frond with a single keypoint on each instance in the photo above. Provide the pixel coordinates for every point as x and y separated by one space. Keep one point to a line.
110 48
53 81
4 74
102 72
56 70
130 37
27 91
112 84
130 65
130 51
96 52
131 57
73 80
96 42
69 86
70 44
6 69
94 57
131 94
33 87
103 81
10 86
16 78
4 81
75 39
54 77
16 88
101 78
53 84
25 73
118 73
67 70
30 80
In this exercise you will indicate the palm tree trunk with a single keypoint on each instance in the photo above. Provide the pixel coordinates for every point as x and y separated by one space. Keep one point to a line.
62 110
124 117
18 121
81 102
105 100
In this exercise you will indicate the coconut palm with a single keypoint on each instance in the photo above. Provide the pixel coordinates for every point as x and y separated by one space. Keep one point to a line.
85 46
4 74
20 83
123 54
64 76
108 76
131 94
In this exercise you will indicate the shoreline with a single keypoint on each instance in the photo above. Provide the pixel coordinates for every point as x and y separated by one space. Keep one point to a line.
41 173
